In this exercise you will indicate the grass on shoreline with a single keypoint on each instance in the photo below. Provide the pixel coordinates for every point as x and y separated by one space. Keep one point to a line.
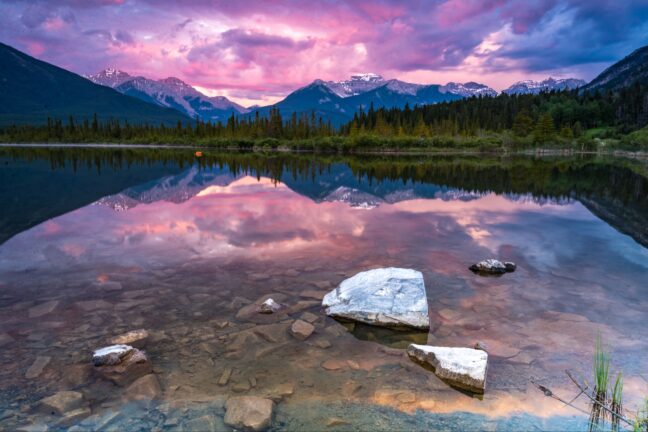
495 143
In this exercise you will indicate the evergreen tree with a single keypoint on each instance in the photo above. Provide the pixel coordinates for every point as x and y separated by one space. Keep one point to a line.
544 130
566 132
523 124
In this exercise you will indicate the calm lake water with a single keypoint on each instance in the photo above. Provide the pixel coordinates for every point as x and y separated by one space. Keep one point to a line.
194 241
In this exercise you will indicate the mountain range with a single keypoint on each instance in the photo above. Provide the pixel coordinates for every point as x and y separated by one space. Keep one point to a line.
339 183
336 101
170 93
550 84
32 90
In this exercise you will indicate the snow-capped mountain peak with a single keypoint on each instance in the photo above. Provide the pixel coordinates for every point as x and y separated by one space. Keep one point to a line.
110 77
169 92
402 87
359 83
468 89
177 82
535 87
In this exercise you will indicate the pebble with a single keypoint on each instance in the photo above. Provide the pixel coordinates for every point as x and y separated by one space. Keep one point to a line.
335 421
61 402
5 339
37 367
42 309
249 413
134 338
322 343
301 329
225 376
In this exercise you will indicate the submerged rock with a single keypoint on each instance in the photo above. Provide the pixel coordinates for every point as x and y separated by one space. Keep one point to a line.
37 367
269 306
5 339
301 329
121 364
61 402
280 391
134 338
144 388
461 367
493 266
42 309
249 413
74 416
388 297
207 423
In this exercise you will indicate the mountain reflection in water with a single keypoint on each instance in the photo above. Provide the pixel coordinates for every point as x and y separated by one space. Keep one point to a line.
193 242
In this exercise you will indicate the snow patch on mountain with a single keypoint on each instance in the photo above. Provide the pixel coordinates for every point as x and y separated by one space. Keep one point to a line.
169 92
110 77
359 83
535 87
468 89
402 87
175 188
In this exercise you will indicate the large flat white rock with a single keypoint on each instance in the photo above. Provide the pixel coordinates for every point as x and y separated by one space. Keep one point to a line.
388 297
462 367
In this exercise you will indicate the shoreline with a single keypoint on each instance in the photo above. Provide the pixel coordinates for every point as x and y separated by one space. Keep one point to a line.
393 152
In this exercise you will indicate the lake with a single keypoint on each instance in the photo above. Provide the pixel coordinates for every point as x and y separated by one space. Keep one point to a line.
99 242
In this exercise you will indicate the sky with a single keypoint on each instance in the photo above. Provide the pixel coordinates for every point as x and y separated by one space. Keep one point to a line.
258 51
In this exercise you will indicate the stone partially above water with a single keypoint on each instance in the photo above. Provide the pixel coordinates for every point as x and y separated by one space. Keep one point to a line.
269 307
461 367
388 297
111 355
121 364
493 266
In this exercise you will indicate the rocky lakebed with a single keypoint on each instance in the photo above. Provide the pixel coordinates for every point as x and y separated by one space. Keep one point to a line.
212 300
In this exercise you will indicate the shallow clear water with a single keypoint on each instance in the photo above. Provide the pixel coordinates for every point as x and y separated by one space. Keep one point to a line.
194 242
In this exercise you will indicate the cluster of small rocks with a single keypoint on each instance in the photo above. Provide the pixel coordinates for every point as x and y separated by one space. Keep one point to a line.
385 297
121 363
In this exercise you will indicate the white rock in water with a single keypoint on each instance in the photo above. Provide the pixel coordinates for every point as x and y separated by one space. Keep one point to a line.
388 297
110 355
269 306
462 367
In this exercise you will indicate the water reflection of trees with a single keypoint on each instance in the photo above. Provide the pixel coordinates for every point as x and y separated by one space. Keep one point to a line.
614 189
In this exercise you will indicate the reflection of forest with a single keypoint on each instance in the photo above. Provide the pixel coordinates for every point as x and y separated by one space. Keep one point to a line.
37 184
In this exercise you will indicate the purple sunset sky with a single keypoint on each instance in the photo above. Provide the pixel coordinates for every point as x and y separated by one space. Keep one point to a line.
258 51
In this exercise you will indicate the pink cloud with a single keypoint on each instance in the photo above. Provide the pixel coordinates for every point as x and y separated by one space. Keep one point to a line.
264 49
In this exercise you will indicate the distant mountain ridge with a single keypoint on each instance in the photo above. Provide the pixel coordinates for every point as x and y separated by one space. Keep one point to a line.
365 82
338 101
169 92
32 90
633 68
550 84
